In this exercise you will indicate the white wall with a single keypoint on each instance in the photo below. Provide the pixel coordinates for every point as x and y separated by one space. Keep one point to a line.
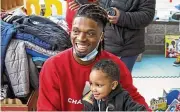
64 6
164 7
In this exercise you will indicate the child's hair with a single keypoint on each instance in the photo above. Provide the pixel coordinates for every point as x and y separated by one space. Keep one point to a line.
109 67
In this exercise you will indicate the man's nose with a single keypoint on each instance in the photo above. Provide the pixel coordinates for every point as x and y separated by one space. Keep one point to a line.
82 36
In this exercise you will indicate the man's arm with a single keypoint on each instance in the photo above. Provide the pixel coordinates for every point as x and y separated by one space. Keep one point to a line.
49 98
127 83
140 18
131 105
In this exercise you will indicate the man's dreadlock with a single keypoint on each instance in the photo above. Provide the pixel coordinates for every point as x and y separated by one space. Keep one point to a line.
95 13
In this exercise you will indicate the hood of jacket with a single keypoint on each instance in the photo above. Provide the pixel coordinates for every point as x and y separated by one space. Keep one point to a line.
110 102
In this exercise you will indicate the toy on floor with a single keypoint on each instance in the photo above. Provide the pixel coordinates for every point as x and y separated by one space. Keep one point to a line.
177 62
174 94
168 102
174 106
158 105
172 46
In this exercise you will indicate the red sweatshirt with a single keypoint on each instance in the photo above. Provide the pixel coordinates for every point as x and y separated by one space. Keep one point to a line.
70 14
62 81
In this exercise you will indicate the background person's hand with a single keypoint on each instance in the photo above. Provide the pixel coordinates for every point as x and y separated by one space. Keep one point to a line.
114 19
73 5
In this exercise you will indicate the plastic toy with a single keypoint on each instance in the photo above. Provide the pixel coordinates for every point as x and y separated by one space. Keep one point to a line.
158 105
174 106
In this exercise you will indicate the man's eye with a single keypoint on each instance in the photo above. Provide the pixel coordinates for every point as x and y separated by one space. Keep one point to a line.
75 31
91 34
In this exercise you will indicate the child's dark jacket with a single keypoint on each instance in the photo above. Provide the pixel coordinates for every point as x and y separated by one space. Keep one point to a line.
118 100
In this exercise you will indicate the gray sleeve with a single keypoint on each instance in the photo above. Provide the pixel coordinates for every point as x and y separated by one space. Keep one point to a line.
140 18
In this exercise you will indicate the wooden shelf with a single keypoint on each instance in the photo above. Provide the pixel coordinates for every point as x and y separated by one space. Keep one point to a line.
9 5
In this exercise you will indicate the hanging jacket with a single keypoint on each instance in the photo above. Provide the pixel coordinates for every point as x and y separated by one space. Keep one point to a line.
38 49
7 32
33 73
31 38
44 29
118 100
126 37
16 64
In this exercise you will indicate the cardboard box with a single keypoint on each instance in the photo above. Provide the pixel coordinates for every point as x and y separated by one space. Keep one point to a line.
172 46
11 4
4 4
29 106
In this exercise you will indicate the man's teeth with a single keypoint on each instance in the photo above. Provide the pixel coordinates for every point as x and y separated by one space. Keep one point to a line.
81 46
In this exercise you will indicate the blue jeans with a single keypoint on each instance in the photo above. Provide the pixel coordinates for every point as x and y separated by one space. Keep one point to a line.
129 61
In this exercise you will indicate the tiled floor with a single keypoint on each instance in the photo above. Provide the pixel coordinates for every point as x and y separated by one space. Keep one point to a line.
158 67
154 66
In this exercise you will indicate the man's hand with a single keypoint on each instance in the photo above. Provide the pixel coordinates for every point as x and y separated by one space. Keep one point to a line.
114 19
74 5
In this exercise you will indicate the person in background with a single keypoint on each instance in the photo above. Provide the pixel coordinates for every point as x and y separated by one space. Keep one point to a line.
106 92
63 76
124 34
72 7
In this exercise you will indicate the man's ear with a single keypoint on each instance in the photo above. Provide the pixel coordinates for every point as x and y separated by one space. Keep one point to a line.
114 85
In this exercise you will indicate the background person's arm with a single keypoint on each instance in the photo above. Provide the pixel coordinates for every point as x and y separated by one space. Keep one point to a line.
126 81
140 18
49 97
73 5
130 105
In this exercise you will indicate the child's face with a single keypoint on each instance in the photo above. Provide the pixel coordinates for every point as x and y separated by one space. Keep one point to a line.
100 84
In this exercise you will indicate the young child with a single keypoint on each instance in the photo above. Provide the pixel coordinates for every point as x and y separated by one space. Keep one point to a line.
106 92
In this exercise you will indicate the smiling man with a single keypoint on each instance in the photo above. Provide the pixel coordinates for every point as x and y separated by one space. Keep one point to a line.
63 77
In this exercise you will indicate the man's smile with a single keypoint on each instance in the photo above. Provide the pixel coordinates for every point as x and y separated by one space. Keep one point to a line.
81 47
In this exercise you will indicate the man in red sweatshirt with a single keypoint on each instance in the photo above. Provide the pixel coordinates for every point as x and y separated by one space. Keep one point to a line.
64 76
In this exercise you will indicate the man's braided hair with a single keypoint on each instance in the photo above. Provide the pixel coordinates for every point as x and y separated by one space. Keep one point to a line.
96 13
